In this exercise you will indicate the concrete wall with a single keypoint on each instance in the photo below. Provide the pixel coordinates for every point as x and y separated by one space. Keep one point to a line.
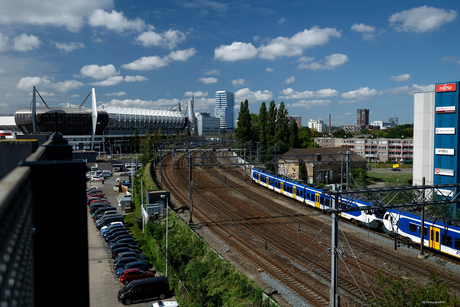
14 151
424 111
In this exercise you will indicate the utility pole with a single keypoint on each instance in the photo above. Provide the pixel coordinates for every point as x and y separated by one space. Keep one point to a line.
191 186
334 298
422 228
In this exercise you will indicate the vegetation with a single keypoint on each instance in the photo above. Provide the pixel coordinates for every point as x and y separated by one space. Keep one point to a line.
403 291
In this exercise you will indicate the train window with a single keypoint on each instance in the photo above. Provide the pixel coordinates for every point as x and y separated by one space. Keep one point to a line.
437 236
457 243
425 231
386 217
447 240
412 227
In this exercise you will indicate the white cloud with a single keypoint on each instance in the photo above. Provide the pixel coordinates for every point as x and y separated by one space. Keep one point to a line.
61 13
294 46
290 80
138 103
289 93
196 94
67 47
366 31
98 72
204 103
211 72
182 55
147 63
115 21
168 39
239 82
118 79
235 52
2 71
208 80
362 93
443 59
400 78
268 69
116 94
281 20
406 90
26 42
308 104
421 19
44 83
329 62
251 96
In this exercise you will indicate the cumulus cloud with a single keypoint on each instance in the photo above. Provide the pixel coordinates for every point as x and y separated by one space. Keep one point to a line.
115 94
443 59
208 80
290 80
3 42
406 90
329 62
295 45
362 93
67 47
400 78
308 104
211 72
268 69
281 20
138 103
26 42
368 32
168 39
98 72
45 84
154 62
246 93
61 13
290 93
115 21
239 82
235 52
118 79
421 19
196 94
147 63
182 55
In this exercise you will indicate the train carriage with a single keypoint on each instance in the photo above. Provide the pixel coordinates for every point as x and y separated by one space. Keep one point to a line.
436 234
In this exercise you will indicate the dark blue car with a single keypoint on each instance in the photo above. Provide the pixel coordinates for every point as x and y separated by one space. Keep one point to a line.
116 251
111 227
111 236
118 245
124 261
124 240
138 264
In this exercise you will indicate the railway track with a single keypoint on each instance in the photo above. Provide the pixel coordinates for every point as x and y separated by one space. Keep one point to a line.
255 227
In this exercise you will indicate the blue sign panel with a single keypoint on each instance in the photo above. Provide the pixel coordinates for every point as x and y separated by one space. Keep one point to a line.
446 134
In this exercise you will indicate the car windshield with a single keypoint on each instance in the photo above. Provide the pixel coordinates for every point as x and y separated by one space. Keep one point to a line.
129 286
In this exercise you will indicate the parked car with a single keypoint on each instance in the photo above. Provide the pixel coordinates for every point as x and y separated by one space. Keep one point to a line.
116 251
118 238
130 254
134 274
144 289
109 219
97 178
127 164
124 261
106 214
166 304
138 264
101 211
123 240
114 235
114 225
396 169
94 207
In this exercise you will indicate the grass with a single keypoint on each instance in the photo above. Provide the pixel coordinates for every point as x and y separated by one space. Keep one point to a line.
394 178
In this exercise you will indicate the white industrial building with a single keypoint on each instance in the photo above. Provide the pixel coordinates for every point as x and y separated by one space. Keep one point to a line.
206 124
318 125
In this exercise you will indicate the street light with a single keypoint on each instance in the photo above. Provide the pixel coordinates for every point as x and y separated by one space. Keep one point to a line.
167 214
142 202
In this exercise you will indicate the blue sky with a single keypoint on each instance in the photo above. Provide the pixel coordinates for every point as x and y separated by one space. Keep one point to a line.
319 57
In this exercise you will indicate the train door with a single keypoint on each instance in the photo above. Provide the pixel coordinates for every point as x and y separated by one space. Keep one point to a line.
281 187
435 238
317 198
259 179
268 182
293 192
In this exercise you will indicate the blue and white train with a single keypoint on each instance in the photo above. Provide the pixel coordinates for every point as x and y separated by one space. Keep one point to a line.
316 198
437 235
406 224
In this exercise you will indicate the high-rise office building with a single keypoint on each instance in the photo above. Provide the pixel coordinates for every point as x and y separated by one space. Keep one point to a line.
362 117
225 102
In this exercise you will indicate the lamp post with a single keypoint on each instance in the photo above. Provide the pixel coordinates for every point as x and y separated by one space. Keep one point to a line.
167 215
142 202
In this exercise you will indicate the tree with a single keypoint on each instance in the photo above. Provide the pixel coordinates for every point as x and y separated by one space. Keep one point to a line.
146 150
282 129
271 124
305 138
243 130
136 140
340 133
293 135
263 116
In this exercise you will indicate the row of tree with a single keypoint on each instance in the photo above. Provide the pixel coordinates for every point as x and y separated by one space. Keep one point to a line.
272 129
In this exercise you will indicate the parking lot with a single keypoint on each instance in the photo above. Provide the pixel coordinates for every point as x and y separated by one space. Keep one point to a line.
104 286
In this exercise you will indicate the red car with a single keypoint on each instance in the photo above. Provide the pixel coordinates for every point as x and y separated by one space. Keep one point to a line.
132 274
